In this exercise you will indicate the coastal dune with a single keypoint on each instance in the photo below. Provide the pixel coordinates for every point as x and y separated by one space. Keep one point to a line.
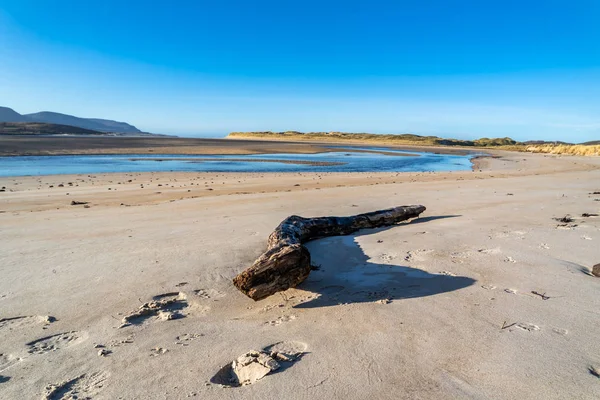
119 285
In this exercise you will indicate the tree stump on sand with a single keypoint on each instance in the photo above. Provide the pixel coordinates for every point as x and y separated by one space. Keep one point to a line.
286 263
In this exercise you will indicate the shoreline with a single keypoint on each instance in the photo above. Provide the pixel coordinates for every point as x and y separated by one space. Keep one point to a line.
124 187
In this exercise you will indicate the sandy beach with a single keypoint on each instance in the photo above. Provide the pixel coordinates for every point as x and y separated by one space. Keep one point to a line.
486 296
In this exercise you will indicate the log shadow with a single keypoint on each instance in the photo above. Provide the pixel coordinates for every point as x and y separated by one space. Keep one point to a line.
348 275
418 220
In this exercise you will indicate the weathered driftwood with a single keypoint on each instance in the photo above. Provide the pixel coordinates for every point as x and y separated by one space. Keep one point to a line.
286 263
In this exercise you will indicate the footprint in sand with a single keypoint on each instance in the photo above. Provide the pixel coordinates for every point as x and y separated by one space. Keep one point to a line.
501 235
290 349
488 287
510 260
415 255
208 293
26 321
506 234
269 307
544 246
566 227
55 342
387 258
527 326
254 365
511 291
447 273
85 386
183 340
158 351
203 294
560 331
167 306
460 255
8 360
281 320
121 342
489 251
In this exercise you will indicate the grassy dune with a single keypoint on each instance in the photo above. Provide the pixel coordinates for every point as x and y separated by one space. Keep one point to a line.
404 139
572 149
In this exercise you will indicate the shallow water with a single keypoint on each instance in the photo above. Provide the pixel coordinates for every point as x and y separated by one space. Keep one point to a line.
347 161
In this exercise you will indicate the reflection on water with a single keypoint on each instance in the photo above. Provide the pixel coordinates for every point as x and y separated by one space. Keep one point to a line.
347 161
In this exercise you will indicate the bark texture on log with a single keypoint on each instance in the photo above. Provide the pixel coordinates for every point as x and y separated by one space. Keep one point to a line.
286 263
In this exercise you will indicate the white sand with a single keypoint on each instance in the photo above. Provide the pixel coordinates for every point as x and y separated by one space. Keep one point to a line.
454 277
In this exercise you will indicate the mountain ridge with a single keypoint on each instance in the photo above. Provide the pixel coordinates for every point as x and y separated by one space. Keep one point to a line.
95 124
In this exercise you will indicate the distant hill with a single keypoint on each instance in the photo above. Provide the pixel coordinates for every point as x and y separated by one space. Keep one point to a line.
94 124
41 128
102 125
10 115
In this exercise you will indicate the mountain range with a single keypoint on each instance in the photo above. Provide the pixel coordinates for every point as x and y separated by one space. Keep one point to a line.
95 124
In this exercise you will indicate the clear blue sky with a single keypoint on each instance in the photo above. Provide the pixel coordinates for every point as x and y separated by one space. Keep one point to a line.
525 69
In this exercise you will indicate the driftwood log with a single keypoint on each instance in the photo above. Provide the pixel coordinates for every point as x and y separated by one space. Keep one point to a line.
286 263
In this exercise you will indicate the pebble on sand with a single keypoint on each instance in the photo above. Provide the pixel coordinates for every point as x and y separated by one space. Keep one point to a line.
252 366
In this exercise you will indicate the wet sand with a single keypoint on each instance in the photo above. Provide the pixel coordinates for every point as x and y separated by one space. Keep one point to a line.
12 145
62 145
486 296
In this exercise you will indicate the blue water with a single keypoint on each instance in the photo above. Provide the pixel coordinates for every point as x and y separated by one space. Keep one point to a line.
353 162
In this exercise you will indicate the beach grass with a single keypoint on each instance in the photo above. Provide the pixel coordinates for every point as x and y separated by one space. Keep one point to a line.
575 150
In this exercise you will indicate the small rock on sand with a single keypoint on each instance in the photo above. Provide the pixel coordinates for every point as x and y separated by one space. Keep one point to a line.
158 351
252 366
103 352
596 270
